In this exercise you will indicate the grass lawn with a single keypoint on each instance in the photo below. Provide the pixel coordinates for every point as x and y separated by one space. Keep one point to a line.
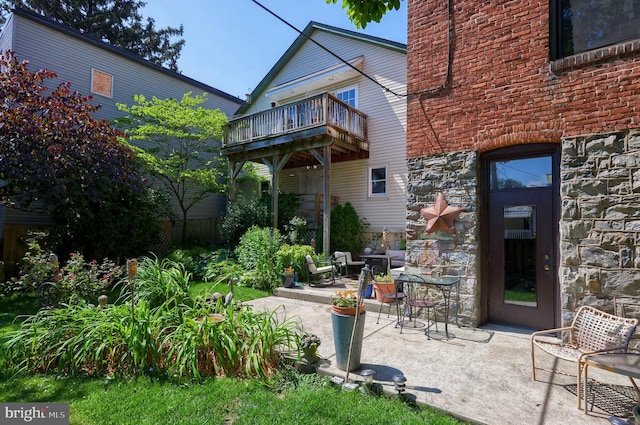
288 399
214 401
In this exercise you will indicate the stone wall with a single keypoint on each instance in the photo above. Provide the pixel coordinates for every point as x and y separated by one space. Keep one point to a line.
600 220
456 176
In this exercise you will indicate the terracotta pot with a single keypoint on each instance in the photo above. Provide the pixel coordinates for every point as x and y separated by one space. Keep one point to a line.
384 288
347 311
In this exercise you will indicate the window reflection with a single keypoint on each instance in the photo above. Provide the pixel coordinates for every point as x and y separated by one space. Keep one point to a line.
520 173
519 225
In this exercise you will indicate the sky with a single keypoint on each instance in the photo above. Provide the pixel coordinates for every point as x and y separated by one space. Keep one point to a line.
232 44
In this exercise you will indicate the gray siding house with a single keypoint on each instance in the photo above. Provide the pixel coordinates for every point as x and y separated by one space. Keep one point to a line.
109 74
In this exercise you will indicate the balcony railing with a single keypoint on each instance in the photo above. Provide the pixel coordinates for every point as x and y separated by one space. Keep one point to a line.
316 111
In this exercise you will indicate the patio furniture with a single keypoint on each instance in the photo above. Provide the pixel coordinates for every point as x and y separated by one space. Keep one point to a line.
592 332
389 293
626 364
418 297
343 260
316 273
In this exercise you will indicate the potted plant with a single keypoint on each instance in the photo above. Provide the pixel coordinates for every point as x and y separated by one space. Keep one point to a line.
383 284
289 277
347 320
309 344
344 302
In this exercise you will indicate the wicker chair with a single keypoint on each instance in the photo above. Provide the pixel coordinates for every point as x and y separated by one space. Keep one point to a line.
592 331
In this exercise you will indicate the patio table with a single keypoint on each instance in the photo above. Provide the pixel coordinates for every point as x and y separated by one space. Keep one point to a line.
627 364
444 283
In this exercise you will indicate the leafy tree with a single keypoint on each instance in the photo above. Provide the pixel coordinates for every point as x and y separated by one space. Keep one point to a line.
117 22
55 156
362 12
183 152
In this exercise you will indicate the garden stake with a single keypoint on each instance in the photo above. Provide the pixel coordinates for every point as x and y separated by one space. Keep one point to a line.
362 283
132 271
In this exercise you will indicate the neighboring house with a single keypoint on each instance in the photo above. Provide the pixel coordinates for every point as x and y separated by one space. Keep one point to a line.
111 75
526 114
335 126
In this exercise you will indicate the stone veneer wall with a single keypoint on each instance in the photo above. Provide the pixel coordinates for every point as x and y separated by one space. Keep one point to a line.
456 176
600 220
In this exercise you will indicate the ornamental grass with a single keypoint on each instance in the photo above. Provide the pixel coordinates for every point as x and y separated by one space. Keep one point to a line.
160 336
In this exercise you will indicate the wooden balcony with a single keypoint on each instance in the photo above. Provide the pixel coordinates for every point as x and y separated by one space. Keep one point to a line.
298 128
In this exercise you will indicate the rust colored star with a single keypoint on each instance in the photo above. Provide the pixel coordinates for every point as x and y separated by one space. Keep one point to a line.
441 216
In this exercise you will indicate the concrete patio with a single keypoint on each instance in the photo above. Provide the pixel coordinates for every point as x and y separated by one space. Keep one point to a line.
478 375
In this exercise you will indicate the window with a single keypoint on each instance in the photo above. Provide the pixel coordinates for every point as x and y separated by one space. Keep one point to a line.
348 96
101 83
581 25
378 181
520 173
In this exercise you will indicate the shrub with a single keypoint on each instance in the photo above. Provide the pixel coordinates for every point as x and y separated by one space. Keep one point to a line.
194 260
82 281
242 215
37 266
294 255
346 229
257 253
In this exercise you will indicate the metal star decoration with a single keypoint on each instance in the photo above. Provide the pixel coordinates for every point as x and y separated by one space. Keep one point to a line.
441 216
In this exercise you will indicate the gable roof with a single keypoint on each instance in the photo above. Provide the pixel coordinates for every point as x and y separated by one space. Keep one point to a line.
302 38
43 20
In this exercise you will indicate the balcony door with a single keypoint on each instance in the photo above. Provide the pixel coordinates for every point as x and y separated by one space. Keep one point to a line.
522 241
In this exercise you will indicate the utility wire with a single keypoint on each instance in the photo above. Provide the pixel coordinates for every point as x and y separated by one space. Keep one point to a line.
388 90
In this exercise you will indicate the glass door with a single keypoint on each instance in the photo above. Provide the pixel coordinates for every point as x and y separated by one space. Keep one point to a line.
521 233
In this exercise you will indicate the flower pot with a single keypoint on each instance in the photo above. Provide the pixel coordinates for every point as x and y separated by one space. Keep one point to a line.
288 280
347 311
342 330
384 288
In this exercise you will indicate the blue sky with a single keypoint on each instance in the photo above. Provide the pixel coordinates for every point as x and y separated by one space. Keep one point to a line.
232 44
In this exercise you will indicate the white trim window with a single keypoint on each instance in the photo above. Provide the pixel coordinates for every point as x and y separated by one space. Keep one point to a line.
377 181
348 95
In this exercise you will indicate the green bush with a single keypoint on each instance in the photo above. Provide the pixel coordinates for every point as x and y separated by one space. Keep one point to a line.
294 255
257 254
242 215
346 229
194 260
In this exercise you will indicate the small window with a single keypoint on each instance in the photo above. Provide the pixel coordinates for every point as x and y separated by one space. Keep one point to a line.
581 25
378 181
348 96
521 173
101 83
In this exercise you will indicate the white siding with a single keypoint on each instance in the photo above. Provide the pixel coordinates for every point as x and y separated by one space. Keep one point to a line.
386 124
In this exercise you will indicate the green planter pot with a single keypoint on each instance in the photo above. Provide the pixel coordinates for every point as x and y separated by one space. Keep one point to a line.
342 328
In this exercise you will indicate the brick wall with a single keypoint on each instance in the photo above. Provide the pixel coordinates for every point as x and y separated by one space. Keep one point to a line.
483 79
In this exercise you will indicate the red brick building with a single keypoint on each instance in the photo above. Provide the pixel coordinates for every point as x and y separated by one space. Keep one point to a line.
527 114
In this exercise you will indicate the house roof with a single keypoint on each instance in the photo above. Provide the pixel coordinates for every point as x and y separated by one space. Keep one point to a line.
302 38
43 20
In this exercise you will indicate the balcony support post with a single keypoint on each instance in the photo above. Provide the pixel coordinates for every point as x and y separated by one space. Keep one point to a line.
275 164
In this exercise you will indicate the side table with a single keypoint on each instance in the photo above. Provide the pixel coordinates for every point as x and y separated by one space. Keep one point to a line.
627 364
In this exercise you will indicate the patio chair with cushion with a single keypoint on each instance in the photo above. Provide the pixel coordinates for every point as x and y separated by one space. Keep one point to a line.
592 331
344 260
315 274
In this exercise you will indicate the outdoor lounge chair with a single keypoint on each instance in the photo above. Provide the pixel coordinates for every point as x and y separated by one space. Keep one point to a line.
316 273
592 331
344 260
